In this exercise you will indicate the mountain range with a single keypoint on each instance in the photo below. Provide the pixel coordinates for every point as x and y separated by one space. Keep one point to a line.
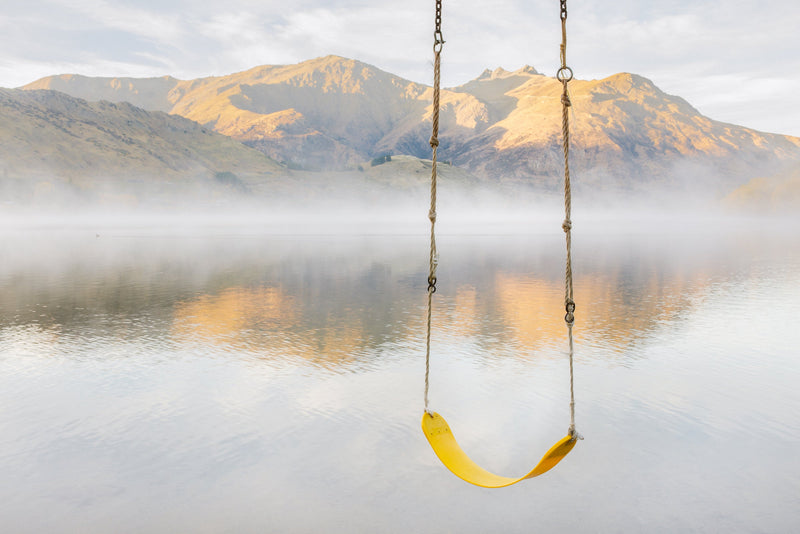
50 140
334 113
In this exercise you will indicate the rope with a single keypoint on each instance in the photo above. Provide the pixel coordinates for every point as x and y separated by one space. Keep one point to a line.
438 41
565 75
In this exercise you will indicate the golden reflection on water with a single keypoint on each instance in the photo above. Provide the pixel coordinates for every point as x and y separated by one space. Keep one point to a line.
531 307
235 312
466 313
611 306
332 310
267 320
623 314
521 310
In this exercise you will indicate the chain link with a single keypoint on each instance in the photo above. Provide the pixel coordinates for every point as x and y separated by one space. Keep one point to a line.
438 38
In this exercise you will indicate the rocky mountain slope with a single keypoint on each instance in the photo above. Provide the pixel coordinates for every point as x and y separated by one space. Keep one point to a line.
54 137
333 112
324 113
625 131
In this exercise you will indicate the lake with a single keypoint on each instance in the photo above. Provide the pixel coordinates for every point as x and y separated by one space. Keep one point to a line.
175 379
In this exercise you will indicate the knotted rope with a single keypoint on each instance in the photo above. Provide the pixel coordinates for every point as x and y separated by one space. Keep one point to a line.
438 41
565 75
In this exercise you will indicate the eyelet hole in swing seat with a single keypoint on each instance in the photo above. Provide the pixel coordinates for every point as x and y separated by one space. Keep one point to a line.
451 454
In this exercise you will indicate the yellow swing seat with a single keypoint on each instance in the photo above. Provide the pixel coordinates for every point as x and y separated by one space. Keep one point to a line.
451 454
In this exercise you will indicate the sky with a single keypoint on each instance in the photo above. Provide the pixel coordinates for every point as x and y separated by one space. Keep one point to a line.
736 61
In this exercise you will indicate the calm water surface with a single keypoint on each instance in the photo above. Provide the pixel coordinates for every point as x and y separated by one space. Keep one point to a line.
231 382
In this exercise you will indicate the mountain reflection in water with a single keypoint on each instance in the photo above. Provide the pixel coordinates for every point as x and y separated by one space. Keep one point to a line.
243 382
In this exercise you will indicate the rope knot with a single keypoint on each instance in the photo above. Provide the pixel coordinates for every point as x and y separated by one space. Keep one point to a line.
566 225
570 316
565 100
432 216
434 142
574 433
431 284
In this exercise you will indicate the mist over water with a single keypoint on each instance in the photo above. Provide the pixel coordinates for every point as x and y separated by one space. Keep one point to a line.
351 203
214 370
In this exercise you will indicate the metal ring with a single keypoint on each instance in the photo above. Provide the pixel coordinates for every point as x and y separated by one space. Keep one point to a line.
562 74
438 41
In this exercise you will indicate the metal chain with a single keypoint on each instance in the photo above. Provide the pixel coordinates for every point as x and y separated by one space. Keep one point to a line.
438 41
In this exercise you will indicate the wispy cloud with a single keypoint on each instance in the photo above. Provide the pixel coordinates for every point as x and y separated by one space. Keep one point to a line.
165 28
744 53
9 69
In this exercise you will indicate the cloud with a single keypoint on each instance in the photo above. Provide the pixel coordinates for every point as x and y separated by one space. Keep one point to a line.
745 54
165 28
748 99
33 70
723 61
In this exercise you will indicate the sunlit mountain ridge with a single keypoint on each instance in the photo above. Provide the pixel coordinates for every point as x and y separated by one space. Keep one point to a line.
324 113
63 151
52 145
334 112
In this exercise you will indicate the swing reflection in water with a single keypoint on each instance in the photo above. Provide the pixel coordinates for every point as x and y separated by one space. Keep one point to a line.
434 426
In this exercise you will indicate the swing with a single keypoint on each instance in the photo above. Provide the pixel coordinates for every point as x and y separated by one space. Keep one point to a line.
434 426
